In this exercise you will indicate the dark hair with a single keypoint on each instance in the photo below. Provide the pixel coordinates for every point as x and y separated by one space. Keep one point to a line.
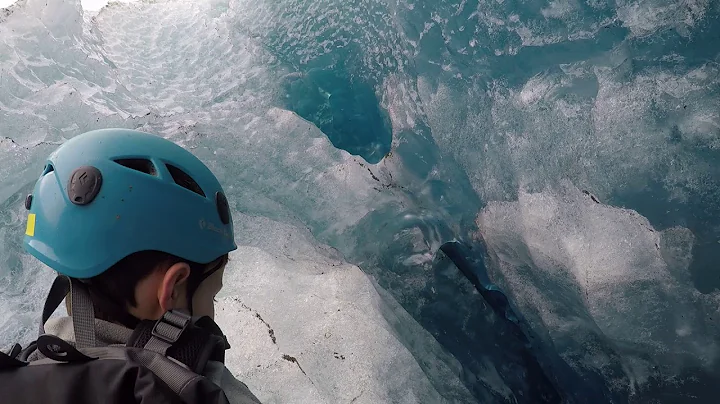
113 291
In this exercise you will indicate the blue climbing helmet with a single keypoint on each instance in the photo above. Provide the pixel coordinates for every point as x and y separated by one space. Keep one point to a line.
106 194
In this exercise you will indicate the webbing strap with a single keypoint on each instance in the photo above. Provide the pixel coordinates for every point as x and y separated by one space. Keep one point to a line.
83 314
57 293
167 331
10 361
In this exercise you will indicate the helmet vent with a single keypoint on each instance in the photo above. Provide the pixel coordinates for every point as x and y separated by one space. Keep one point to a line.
143 165
48 169
184 180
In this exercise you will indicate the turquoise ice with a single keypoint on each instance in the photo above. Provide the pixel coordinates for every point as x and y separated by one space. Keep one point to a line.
436 201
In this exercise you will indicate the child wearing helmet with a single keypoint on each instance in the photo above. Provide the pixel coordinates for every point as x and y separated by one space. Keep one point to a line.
139 231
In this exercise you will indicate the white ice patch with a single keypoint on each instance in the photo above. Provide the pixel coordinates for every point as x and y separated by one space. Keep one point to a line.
307 332
611 259
558 8
400 100
644 17
562 235
536 89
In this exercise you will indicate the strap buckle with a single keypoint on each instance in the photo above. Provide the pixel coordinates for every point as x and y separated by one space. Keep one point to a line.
171 325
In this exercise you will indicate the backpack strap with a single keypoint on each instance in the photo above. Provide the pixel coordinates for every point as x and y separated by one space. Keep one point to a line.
9 360
83 314
167 331
14 350
192 341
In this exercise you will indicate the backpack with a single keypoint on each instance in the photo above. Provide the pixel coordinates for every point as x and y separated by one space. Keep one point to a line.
162 363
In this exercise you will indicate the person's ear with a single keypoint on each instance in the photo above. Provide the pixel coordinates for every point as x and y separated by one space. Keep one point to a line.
171 293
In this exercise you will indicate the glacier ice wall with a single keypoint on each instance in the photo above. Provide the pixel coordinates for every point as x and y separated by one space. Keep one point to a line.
571 148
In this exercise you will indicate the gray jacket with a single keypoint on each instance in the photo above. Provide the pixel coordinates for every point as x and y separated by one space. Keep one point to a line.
107 334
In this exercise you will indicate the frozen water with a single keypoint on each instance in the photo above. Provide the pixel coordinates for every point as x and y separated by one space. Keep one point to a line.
570 148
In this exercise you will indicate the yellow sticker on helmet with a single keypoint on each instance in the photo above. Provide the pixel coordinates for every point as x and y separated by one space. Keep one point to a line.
30 229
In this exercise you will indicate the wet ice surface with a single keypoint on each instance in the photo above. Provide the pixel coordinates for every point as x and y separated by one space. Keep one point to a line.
306 332
613 275
573 146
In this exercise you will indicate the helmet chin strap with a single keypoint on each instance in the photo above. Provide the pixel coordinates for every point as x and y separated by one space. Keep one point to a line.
197 277
118 312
